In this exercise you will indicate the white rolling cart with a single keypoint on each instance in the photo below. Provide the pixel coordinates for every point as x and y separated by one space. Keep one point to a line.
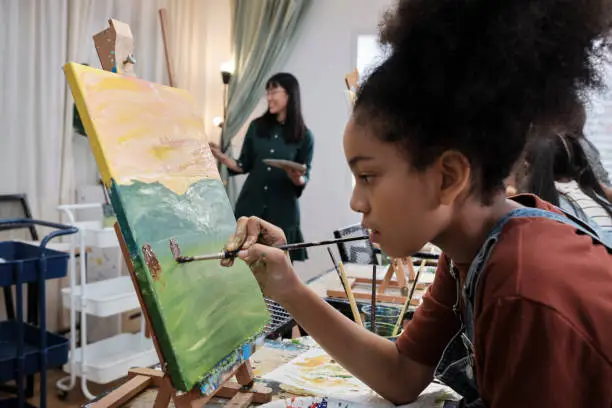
108 359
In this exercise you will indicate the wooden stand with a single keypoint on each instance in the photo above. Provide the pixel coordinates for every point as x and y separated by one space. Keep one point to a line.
241 394
401 281
163 21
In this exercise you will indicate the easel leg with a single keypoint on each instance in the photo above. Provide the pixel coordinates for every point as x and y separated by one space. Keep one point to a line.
240 400
244 375
164 394
124 393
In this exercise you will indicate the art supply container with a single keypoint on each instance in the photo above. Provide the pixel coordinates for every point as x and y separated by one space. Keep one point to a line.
386 317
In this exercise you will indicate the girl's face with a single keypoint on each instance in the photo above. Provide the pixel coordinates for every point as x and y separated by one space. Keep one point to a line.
404 208
277 99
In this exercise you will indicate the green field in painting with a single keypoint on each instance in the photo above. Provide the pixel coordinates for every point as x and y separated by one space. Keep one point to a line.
201 312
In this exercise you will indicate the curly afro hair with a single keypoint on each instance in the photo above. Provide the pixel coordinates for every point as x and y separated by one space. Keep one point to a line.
474 75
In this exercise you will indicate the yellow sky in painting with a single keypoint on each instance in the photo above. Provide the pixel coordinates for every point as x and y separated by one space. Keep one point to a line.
146 132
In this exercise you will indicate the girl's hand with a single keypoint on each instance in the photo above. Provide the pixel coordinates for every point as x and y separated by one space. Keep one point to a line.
296 176
272 270
271 267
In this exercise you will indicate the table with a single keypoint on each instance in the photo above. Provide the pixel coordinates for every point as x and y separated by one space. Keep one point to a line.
276 353
271 356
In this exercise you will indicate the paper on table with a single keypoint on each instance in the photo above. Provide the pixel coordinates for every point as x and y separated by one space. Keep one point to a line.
316 373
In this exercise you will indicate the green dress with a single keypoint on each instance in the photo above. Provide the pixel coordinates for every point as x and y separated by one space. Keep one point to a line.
268 192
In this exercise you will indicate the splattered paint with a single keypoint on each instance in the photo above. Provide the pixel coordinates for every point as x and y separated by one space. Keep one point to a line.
316 373
321 380
317 402
149 143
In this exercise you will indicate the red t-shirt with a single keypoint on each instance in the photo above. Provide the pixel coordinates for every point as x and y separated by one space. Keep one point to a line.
543 324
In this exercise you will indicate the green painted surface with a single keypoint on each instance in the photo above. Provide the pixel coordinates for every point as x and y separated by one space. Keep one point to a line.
200 311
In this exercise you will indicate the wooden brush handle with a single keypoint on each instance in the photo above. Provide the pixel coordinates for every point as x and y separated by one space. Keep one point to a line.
349 295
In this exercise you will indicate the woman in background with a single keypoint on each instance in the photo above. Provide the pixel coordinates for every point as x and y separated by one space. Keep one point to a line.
271 193
558 171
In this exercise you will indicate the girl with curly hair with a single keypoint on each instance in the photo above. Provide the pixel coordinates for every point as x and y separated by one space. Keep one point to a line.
519 312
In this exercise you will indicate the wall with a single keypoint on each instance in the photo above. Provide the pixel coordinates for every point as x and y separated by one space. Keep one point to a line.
326 52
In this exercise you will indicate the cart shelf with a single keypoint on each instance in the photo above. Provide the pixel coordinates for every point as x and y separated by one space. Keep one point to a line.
95 235
56 350
109 359
103 298
14 254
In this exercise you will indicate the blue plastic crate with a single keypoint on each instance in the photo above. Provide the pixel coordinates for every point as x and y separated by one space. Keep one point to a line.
14 403
14 252
57 350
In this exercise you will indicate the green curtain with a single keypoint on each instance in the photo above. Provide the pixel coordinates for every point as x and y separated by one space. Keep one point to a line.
263 33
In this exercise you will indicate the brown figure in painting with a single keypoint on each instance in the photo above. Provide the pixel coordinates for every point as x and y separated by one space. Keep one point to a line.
152 262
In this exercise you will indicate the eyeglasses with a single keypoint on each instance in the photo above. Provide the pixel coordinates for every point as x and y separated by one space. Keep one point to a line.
275 91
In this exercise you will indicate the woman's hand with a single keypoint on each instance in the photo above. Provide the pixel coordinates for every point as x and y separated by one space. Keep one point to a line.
223 158
296 176
215 149
271 267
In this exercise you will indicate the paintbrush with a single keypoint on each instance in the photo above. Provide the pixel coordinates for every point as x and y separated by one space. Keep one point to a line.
400 319
232 254
373 301
347 288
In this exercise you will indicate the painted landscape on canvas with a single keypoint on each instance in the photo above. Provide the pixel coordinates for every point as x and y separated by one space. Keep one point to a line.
153 156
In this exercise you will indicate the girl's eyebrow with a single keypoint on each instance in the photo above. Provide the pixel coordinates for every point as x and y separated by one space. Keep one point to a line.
356 159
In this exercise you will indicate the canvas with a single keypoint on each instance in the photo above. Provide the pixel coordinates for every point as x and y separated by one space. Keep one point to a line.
150 146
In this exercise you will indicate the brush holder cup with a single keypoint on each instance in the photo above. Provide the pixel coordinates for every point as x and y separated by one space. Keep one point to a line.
386 318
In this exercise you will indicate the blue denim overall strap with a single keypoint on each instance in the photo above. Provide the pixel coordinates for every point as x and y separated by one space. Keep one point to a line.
456 368
470 287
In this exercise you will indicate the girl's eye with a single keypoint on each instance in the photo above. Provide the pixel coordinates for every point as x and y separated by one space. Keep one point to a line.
365 178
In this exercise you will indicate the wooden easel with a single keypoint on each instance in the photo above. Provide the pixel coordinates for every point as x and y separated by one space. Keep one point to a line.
115 50
396 268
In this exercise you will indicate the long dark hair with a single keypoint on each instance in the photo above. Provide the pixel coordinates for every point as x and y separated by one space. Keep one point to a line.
294 127
558 157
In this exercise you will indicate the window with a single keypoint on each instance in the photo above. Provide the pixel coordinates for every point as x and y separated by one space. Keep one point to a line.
370 53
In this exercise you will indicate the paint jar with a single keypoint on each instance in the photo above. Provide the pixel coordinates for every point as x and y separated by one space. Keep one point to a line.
386 318
382 329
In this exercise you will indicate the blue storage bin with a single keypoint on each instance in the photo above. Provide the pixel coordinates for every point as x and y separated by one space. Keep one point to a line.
13 252
57 350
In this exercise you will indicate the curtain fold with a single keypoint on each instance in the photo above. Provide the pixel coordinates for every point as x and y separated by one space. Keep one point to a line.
263 32
33 44
79 14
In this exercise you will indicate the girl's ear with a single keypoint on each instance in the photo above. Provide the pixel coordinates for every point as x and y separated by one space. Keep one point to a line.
455 171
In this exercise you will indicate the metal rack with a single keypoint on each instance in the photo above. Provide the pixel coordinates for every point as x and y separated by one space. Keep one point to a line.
110 358
28 348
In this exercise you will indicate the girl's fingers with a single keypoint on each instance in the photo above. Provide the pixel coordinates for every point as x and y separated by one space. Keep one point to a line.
237 240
